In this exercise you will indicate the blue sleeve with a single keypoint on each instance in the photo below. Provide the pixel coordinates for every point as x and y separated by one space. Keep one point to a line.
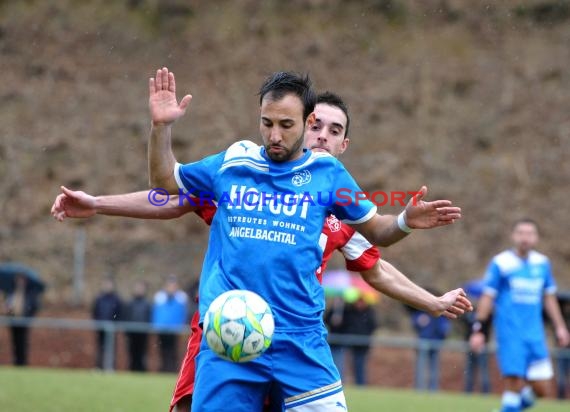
199 176
416 321
549 282
492 279
350 202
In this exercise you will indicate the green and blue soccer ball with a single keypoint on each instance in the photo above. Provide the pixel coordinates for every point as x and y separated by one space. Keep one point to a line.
239 325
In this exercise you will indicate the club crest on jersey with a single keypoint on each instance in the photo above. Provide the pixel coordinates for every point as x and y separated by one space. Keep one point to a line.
333 223
301 178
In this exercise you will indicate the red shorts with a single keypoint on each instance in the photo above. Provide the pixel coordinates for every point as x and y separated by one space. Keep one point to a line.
185 382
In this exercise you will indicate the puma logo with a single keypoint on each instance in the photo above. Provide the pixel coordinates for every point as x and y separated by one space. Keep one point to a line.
340 405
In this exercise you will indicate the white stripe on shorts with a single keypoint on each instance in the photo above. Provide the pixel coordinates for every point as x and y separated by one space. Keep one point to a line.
330 397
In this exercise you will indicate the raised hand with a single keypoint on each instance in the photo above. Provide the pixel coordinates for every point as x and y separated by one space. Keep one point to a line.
425 215
72 203
164 108
454 303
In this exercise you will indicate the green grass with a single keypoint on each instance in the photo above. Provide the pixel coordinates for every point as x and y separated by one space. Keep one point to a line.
78 390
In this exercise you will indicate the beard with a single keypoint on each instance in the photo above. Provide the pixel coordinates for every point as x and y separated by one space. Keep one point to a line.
285 154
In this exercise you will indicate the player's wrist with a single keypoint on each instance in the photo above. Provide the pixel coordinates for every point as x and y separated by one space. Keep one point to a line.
561 329
402 223
99 204
160 124
479 326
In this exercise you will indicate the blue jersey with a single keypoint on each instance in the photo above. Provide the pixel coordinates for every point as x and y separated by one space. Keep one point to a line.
265 234
518 286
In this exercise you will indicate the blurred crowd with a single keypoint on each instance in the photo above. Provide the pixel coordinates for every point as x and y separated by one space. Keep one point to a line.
168 312
352 320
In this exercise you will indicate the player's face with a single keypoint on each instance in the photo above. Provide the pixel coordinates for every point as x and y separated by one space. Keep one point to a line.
525 237
282 127
171 287
328 130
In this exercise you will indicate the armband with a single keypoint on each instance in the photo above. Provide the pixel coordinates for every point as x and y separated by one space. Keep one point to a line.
402 223
477 327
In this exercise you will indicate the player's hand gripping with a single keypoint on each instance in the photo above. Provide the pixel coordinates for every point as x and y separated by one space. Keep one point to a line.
425 215
72 203
164 108
453 304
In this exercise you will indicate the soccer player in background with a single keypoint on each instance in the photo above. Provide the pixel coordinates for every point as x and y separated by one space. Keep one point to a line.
519 283
287 228
329 133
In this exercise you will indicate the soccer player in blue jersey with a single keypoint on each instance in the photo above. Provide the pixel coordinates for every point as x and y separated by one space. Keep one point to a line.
328 134
519 283
272 201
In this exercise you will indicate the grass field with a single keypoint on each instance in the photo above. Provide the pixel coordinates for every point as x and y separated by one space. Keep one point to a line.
79 390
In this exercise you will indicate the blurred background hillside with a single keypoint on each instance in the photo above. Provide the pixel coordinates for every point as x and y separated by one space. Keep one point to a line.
470 98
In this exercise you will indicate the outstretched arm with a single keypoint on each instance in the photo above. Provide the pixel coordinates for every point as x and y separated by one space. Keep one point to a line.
78 204
553 310
164 111
385 278
385 230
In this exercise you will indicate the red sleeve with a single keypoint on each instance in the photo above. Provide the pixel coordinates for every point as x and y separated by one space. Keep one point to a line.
206 211
359 253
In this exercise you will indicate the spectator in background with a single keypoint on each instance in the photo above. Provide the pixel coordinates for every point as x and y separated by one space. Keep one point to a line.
138 310
23 301
563 354
431 332
476 363
169 315
359 319
334 319
107 307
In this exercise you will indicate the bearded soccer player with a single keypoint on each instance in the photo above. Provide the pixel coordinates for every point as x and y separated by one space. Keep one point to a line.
329 133
285 105
519 284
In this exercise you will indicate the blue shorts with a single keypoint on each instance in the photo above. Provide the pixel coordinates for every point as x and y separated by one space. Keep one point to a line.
524 359
297 368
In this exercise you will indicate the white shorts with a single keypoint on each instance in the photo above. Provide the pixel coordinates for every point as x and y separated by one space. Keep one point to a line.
540 370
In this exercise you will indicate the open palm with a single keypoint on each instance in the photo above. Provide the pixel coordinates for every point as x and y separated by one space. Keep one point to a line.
164 108
421 214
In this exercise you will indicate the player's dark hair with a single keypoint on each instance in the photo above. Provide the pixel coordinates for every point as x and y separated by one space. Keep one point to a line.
527 220
335 100
280 84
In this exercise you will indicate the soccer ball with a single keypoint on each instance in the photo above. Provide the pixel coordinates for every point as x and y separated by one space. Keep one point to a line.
239 325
